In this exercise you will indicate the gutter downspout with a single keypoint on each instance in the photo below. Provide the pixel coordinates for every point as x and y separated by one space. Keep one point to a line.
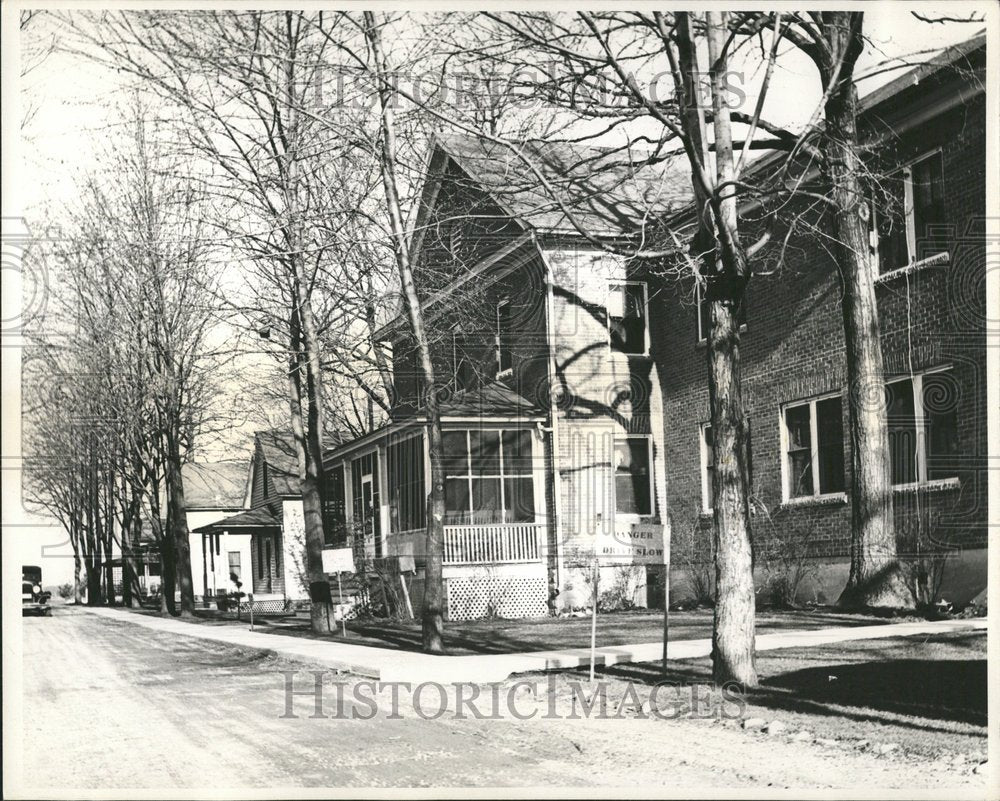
552 412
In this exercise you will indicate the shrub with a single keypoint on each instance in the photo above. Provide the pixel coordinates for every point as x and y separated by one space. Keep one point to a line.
65 591
786 558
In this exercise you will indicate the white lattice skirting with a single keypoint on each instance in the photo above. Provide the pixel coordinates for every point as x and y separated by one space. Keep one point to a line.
497 596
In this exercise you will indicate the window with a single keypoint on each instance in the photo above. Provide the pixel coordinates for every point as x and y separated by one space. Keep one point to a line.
366 499
813 445
335 519
705 310
708 464
633 476
909 227
235 573
627 318
923 427
488 477
504 335
407 493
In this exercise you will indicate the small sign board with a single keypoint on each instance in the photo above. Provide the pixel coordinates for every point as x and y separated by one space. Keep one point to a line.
338 560
631 544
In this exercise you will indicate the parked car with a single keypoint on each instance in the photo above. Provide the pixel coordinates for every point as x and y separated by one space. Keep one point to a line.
34 600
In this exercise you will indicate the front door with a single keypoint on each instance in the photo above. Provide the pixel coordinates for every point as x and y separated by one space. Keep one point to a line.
265 559
371 515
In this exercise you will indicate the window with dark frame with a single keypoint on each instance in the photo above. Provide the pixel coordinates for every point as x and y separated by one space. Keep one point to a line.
633 475
234 565
488 476
335 522
626 310
407 493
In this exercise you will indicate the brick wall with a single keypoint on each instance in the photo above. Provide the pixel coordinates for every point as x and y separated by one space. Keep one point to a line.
793 348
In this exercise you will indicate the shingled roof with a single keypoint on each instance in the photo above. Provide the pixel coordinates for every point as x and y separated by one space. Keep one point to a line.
609 191
278 449
214 485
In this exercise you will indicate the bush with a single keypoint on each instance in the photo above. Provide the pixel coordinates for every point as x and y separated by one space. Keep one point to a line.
787 562
65 591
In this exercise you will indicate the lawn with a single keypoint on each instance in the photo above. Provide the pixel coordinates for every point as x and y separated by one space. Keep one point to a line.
543 634
925 694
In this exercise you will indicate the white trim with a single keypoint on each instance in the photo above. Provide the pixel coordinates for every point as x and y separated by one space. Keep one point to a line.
941 259
703 459
817 495
634 516
612 285
505 372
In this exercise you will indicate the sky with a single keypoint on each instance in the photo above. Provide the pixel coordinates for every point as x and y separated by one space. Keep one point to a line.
68 114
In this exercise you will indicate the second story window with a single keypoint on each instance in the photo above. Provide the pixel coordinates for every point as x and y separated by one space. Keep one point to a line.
504 337
627 318
910 221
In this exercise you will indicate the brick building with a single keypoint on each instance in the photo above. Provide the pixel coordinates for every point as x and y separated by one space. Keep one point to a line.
926 132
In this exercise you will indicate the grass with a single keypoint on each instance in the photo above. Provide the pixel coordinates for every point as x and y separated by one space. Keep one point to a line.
926 694
543 634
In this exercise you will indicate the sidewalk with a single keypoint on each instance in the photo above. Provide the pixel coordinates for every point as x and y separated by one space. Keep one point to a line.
388 665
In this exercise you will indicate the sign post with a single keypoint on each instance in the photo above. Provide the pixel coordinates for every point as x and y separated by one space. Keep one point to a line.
593 618
632 544
339 560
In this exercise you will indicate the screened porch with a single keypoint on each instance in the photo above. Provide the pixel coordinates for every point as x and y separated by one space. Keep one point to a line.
494 493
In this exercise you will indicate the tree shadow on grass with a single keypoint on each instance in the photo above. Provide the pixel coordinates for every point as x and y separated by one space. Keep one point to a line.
911 693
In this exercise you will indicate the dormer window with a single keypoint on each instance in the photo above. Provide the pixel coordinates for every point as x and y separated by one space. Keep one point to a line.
627 318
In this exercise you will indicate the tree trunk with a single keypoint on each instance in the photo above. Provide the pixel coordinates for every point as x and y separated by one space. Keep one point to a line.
177 514
875 579
733 634
310 473
77 568
433 611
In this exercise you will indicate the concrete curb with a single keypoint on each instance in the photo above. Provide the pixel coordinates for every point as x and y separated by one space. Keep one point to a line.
388 665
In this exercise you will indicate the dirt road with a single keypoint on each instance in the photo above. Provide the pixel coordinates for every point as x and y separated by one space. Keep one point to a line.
111 705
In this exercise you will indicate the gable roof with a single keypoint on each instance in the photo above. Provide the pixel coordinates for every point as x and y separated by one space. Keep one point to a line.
277 448
214 485
609 191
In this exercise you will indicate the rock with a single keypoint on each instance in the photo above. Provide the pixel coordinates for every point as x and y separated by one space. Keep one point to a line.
982 768
803 736
775 727
886 748
862 745
754 723
827 743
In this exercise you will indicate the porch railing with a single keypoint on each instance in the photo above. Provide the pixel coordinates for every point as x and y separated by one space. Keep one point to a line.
507 543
